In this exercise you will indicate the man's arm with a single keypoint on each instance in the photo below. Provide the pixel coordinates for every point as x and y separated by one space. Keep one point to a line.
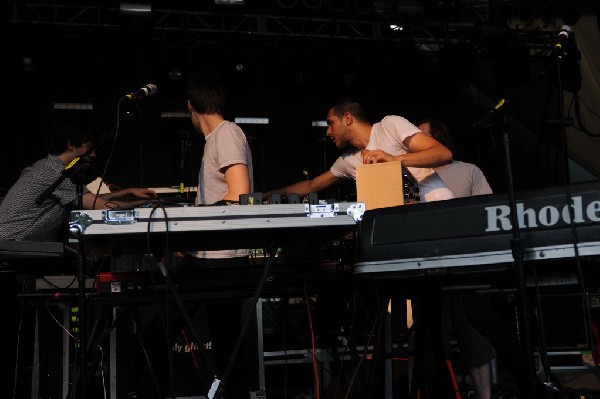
133 191
425 152
305 187
103 201
90 201
238 181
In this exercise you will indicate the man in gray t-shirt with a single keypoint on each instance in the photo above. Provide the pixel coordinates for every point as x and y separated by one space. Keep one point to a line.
225 174
462 178
481 333
226 170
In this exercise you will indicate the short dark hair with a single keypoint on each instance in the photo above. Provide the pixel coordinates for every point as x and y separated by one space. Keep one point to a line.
68 128
441 132
206 93
351 105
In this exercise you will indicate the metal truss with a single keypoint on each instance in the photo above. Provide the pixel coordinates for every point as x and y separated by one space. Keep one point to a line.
201 25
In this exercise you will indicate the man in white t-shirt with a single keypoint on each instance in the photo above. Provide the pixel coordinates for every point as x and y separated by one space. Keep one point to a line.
394 138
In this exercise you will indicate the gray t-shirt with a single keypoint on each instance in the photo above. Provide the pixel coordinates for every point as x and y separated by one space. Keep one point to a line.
464 179
22 219
389 135
225 146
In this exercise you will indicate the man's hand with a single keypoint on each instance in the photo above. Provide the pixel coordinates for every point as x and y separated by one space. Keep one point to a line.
376 156
144 192
141 192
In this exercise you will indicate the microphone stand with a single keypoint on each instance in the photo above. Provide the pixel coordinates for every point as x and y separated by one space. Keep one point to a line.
75 171
561 54
80 372
518 249
496 118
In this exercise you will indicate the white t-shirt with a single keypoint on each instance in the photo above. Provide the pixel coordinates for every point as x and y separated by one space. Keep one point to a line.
389 135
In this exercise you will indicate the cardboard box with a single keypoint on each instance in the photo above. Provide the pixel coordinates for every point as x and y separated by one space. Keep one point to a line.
383 185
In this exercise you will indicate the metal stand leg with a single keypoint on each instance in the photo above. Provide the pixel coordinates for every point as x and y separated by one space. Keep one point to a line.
388 350
35 372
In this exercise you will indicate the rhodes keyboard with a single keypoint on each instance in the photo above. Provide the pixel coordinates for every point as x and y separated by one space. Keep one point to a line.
474 234
146 230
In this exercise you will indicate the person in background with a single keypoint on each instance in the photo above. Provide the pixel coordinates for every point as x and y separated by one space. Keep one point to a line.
394 138
464 180
480 331
22 218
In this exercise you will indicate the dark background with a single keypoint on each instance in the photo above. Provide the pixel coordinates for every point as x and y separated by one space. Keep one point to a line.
453 60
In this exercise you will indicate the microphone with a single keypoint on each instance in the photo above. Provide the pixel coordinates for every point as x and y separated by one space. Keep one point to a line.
561 40
148 90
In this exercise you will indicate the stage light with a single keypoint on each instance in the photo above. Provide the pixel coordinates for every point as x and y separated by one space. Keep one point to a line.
230 2
27 64
404 7
252 121
312 4
135 9
74 106
175 73
175 114
135 15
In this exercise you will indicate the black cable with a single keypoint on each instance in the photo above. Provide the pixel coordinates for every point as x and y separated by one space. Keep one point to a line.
164 318
112 149
581 126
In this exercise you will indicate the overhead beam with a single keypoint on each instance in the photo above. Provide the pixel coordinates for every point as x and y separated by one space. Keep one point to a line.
420 30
